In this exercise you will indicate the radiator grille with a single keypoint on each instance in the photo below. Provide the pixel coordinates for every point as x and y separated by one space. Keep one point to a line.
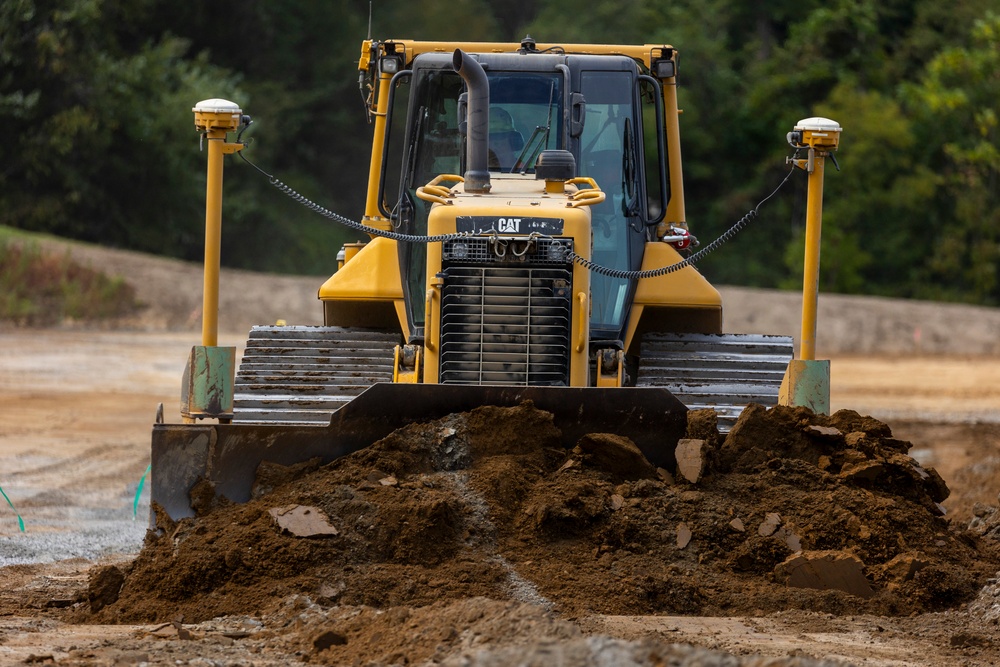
505 325
504 250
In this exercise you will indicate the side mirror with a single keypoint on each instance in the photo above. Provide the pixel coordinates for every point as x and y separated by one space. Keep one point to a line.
578 114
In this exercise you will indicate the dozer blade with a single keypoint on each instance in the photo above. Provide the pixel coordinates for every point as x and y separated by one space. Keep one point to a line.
227 455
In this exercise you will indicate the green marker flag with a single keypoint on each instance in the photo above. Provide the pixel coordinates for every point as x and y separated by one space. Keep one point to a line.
138 491
20 521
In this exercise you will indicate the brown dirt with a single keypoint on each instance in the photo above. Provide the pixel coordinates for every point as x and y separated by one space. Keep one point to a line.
489 504
446 566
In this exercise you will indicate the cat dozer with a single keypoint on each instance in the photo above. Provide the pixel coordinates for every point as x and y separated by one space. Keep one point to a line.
524 239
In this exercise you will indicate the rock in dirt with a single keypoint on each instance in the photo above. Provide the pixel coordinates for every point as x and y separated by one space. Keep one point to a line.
770 524
828 432
173 630
616 455
683 536
303 521
690 454
903 567
986 521
789 537
825 570
665 476
103 587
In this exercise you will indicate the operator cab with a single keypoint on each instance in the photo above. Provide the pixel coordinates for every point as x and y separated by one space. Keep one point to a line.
592 106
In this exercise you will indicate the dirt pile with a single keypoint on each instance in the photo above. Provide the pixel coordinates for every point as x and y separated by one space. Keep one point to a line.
790 510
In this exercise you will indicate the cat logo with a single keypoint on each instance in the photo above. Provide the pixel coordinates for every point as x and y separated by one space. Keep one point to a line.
509 225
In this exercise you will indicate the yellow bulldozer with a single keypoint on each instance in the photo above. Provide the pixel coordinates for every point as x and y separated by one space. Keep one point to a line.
523 239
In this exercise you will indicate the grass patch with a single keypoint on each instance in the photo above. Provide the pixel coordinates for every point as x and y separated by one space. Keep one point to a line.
44 289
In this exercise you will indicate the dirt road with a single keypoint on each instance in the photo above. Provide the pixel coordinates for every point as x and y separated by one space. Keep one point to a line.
74 432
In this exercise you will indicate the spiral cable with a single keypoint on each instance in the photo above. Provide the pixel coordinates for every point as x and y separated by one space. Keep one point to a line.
727 235
347 222
692 259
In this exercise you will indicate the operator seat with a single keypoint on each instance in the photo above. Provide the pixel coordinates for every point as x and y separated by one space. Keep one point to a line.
505 141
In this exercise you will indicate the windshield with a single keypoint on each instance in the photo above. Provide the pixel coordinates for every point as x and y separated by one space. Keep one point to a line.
525 118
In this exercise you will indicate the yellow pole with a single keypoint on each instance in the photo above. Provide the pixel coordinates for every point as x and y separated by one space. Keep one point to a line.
810 279
207 389
213 239
807 380
675 179
213 119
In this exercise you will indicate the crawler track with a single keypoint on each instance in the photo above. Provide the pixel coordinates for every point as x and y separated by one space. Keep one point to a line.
725 372
302 374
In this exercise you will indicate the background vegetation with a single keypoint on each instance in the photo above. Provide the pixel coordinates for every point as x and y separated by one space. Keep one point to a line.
99 143
41 289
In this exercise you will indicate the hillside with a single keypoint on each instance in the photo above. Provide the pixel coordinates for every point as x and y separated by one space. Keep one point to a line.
172 290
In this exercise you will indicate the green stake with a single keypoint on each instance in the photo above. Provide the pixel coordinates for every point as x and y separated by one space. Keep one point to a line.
138 491
20 521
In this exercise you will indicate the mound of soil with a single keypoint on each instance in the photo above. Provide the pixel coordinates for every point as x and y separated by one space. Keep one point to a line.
790 510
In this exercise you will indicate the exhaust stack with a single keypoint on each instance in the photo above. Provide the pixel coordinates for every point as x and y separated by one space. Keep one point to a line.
477 174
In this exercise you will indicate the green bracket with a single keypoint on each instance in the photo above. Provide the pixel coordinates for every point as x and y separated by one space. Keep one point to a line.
807 384
209 378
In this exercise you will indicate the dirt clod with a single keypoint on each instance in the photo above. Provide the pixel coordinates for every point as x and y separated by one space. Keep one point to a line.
825 570
271 475
329 638
103 586
690 454
614 455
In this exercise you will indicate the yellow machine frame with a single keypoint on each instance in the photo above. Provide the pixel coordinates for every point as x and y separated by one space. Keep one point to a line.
367 290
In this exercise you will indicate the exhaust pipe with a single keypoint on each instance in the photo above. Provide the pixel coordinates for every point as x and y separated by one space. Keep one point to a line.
477 174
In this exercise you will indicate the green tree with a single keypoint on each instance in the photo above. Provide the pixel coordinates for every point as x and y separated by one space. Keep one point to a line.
92 128
955 102
870 242
298 66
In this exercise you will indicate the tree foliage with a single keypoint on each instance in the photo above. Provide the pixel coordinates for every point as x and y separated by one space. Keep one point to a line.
96 98
94 126
957 94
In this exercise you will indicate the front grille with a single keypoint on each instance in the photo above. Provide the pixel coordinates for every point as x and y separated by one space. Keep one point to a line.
506 250
506 325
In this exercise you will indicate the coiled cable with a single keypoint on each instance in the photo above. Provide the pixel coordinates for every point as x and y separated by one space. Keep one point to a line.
692 259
